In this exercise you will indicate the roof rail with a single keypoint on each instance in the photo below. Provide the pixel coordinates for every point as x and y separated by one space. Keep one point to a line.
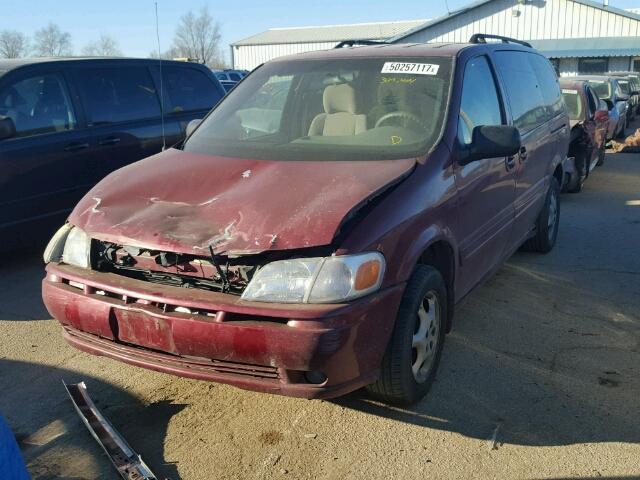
482 38
353 43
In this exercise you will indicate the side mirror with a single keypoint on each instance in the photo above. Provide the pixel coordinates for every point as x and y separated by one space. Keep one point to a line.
192 125
491 141
7 128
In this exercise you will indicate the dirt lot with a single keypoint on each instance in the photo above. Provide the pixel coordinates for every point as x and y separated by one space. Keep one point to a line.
540 379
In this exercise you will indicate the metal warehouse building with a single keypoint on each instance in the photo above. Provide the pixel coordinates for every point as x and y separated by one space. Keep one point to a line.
276 42
579 36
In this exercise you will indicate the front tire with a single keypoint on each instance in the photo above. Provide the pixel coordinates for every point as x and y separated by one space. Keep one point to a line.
413 354
547 222
601 154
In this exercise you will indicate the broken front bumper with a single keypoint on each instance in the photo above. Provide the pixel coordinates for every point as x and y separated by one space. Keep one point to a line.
266 347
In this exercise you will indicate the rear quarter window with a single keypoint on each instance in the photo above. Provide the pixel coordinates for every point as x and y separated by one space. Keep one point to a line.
118 94
189 89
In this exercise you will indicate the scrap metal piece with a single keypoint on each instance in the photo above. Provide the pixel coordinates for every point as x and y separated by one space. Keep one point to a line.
124 458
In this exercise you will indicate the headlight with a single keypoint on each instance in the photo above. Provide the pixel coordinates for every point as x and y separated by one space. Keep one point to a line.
53 252
70 245
317 280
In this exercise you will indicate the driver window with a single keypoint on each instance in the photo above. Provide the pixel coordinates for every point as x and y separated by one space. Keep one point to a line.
480 104
37 105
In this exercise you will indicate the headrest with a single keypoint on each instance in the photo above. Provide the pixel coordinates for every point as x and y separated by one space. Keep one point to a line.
339 98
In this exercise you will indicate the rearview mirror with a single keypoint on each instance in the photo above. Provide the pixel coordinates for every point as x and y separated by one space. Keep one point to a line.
192 125
491 141
7 128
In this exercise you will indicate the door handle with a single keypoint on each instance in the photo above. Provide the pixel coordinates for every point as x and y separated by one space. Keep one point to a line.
74 147
109 141
559 129
523 154
510 162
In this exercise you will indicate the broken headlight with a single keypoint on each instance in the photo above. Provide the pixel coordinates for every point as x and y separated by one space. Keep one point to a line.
317 280
70 245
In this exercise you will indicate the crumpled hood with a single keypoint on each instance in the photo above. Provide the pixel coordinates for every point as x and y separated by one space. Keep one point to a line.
184 202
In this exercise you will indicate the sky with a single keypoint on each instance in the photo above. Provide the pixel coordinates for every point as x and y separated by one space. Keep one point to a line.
132 22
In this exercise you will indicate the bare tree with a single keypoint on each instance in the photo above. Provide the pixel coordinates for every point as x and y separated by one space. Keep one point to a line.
13 44
105 46
50 41
198 37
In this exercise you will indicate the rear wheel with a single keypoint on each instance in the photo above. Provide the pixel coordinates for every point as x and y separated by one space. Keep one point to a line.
547 222
411 360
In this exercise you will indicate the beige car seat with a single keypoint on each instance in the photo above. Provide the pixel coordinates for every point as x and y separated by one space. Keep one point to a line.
339 117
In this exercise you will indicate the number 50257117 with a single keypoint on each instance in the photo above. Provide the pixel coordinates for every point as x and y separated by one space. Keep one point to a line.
410 68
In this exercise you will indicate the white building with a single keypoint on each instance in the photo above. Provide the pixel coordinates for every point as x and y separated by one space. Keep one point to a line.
579 36
276 42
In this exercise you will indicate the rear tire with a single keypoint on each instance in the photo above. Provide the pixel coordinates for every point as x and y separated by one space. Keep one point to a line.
547 222
413 354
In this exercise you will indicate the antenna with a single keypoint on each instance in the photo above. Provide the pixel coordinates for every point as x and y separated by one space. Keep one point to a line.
446 4
164 140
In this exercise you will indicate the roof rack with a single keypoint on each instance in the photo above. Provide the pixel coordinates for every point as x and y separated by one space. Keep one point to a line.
353 43
482 38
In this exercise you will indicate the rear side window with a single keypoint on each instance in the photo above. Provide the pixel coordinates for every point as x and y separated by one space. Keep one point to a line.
523 89
122 94
480 104
189 89
37 105
548 82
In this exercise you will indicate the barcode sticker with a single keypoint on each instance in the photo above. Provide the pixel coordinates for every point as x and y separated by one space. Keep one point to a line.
410 68
568 90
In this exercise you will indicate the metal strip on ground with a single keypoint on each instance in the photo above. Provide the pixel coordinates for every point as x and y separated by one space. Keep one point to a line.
124 458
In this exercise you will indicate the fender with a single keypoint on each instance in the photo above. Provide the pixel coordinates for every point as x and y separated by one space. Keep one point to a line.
421 244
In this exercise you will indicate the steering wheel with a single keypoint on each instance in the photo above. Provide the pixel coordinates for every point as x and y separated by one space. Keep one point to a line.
403 116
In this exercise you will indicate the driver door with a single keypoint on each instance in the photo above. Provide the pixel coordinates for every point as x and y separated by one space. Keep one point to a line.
486 187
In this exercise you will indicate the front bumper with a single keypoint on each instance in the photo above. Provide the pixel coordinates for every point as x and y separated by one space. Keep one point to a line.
257 346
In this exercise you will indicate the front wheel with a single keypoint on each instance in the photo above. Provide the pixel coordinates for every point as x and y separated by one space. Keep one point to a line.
546 228
411 360
601 153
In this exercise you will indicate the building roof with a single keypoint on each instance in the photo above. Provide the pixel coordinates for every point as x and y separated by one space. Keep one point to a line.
331 33
589 47
479 3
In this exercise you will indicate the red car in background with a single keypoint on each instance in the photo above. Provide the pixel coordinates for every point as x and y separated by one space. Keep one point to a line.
589 118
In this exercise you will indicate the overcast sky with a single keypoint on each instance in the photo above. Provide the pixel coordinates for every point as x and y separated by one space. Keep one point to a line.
131 22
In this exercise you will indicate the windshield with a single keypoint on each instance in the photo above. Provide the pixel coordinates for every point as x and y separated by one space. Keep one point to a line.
624 86
344 109
573 103
602 88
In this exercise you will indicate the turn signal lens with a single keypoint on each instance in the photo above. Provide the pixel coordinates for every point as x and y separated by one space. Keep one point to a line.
368 275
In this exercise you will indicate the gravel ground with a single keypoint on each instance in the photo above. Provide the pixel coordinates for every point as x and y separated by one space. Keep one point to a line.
540 379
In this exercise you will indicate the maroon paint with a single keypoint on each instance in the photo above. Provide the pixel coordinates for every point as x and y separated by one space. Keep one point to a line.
167 203
183 202
345 341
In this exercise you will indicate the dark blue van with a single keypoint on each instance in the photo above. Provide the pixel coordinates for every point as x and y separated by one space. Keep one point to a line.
66 123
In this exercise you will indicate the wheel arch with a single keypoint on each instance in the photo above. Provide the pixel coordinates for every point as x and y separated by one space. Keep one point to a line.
436 248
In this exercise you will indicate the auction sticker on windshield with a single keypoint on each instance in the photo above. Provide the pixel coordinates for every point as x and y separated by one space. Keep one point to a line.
410 68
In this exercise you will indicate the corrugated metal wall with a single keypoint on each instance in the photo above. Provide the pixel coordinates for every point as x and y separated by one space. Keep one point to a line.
248 57
536 20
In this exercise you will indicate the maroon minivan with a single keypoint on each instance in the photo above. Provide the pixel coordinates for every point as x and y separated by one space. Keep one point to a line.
314 233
